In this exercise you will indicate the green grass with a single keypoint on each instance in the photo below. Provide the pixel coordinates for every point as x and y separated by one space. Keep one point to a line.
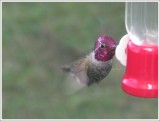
40 37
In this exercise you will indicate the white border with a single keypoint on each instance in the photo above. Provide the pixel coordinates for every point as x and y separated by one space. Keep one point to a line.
79 0
1 1
158 60
79 119
1 59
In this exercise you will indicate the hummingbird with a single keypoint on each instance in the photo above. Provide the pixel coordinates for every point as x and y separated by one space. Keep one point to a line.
96 65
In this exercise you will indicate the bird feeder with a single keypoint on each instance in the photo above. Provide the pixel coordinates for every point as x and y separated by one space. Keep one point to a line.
138 50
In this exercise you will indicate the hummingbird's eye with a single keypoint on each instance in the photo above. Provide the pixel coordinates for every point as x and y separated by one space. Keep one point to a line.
102 46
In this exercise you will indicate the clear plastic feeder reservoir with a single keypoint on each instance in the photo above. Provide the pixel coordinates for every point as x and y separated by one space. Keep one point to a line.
141 76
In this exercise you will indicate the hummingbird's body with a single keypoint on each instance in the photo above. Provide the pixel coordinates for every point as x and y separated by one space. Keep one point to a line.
97 70
95 66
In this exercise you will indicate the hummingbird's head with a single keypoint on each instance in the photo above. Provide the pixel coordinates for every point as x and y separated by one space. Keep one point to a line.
104 48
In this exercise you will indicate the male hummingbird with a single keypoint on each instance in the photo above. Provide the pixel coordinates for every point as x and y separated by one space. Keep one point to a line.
96 65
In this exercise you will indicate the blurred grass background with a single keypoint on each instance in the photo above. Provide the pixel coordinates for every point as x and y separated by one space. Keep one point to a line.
40 37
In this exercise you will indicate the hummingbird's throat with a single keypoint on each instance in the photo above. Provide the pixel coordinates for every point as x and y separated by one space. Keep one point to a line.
101 56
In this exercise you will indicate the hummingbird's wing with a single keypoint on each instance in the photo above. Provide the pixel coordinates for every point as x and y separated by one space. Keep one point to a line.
77 70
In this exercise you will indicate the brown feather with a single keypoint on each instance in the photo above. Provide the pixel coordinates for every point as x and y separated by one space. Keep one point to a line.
78 69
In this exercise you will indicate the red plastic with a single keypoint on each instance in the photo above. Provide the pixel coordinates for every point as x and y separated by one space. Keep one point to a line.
141 77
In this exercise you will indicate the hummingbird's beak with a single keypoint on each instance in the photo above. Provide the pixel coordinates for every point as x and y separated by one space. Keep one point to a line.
96 49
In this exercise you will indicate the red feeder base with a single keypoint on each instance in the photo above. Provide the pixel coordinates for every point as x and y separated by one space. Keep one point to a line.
141 77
